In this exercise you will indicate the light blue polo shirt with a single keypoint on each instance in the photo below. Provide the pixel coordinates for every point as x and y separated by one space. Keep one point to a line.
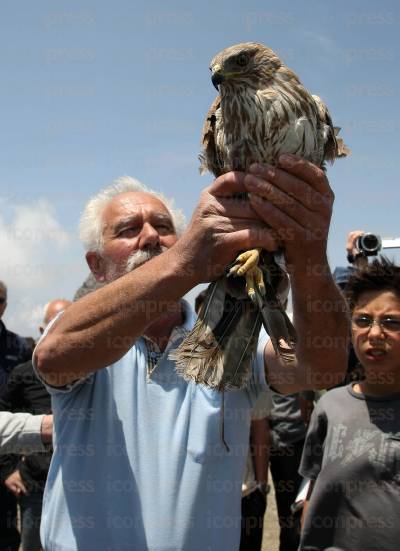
139 461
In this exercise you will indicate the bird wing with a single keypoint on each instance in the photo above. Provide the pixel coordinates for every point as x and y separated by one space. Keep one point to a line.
343 150
334 146
211 157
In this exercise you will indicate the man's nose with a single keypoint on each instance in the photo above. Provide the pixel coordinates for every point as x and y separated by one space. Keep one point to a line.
149 237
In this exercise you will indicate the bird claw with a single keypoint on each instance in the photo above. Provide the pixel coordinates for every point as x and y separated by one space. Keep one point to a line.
254 280
245 261
246 265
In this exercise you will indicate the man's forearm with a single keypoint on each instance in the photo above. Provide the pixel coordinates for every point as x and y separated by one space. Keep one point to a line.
101 327
322 323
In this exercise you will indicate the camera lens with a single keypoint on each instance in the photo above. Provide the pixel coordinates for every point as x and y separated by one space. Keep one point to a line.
369 244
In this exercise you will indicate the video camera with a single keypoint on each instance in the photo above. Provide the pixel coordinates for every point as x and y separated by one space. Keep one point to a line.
369 244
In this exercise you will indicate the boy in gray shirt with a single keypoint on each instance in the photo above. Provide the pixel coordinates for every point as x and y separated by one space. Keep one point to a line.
352 450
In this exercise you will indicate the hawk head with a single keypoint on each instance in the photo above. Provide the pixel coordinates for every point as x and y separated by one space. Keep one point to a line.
247 63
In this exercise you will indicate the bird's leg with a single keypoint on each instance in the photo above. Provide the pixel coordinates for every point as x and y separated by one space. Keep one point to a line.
247 264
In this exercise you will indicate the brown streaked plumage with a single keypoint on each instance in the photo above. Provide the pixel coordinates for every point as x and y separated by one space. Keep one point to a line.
262 111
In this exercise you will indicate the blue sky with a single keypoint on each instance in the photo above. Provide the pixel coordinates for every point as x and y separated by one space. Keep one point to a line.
94 90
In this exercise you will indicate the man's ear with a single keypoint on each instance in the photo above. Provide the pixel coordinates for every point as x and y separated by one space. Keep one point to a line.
96 265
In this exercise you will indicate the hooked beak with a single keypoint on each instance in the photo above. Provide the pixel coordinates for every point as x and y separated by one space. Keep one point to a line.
217 76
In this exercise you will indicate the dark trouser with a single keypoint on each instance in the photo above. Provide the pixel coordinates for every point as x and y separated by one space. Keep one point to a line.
284 464
31 513
253 511
9 535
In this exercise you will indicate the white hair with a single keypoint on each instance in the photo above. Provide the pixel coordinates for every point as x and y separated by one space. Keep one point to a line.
90 226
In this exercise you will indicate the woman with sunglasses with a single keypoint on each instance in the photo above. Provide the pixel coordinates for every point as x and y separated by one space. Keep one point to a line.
352 449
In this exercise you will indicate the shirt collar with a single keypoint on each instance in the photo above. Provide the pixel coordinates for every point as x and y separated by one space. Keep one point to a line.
179 332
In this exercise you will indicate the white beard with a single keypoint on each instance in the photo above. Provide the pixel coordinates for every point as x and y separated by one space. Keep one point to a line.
135 259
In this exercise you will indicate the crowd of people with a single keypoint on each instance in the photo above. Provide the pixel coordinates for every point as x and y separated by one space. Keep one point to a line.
143 459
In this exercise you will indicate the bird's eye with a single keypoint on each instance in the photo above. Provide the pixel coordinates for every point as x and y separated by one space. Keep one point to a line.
242 60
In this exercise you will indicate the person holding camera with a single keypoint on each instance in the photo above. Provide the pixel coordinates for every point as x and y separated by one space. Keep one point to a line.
360 245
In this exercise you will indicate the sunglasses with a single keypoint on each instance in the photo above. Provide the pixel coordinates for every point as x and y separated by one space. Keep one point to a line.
2 300
390 325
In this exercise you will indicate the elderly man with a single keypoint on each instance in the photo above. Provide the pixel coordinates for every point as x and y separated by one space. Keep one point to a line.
139 461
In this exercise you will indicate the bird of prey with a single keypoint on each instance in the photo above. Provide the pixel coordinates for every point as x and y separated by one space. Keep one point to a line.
262 111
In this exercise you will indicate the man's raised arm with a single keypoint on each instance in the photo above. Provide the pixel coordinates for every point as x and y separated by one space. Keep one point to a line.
101 327
295 199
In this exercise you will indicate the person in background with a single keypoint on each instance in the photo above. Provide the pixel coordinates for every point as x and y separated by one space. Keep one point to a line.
25 433
25 476
288 422
352 448
355 257
13 351
255 487
13 348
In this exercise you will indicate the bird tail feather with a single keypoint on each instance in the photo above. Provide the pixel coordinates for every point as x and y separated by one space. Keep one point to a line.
219 350
277 324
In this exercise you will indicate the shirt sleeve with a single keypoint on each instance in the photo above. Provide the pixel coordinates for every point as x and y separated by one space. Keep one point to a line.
55 389
21 433
263 406
313 451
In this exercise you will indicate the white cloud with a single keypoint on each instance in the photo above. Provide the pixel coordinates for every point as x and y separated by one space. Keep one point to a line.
38 259
27 238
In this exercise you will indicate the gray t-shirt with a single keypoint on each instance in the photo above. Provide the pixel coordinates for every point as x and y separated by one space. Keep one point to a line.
353 447
286 422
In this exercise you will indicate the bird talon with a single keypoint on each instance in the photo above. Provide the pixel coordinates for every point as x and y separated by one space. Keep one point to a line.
234 270
245 262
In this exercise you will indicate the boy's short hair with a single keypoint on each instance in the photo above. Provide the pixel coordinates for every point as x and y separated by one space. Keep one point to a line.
380 275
